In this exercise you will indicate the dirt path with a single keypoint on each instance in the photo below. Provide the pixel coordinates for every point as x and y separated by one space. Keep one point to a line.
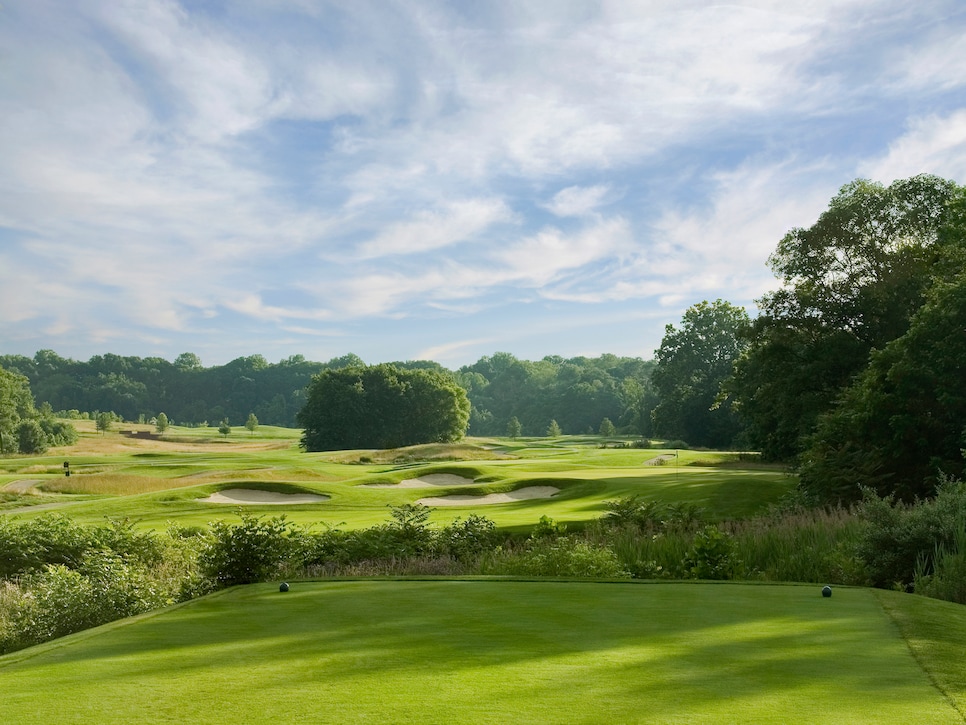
24 486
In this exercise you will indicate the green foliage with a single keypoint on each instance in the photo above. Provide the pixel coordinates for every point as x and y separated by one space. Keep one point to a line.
251 423
224 427
948 566
850 284
16 405
410 529
31 438
607 428
382 406
567 557
547 528
900 425
712 555
59 433
513 428
251 551
104 422
901 539
692 363
553 430
161 424
468 539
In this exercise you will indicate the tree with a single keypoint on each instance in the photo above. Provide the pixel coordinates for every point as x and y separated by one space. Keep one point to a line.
607 428
225 427
16 404
161 424
513 428
553 430
900 427
104 422
31 438
251 423
382 406
850 284
692 362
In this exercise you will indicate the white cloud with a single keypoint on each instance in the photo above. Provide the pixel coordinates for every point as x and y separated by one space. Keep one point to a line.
932 145
458 221
577 200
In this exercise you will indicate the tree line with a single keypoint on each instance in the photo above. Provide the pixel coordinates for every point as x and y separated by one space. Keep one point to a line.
851 370
579 393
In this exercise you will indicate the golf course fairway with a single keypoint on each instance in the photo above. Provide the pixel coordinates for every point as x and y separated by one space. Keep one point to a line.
489 651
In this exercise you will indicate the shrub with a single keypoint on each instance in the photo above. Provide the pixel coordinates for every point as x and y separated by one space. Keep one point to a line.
898 536
251 551
467 539
948 566
567 557
712 555
547 528
31 437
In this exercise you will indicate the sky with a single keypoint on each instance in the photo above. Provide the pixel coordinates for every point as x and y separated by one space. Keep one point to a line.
438 180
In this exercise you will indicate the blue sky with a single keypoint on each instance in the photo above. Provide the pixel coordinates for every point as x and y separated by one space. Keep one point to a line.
437 180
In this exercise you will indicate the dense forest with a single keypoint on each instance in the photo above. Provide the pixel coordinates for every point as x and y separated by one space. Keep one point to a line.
578 393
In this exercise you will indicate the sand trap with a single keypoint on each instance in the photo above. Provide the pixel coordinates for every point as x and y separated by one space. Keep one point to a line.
428 481
246 496
660 460
521 494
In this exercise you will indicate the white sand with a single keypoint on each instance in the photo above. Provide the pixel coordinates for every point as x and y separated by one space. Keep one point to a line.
521 494
429 481
660 459
247 496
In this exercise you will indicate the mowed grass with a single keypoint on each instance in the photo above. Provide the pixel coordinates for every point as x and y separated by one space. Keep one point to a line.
156 482
490 651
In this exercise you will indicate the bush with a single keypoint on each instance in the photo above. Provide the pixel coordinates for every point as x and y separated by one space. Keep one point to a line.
712 555
249 552
468 539
547 528
948 566
58 432
31 437
897 536
566 557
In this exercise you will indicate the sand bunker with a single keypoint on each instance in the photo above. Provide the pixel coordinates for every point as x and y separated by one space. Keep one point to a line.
660 460
429 481
521 494
247 496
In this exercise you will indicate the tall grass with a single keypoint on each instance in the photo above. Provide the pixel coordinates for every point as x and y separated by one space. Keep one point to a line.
803 545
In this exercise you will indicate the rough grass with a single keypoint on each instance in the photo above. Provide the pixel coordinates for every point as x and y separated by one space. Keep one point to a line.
492 652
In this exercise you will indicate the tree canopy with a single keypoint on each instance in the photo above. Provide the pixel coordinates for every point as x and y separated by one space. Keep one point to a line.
850 284
901 425
382 406
692 362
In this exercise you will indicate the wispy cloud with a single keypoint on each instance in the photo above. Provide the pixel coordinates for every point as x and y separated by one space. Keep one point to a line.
175 176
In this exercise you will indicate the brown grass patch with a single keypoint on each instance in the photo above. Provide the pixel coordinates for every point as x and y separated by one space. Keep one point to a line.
424 452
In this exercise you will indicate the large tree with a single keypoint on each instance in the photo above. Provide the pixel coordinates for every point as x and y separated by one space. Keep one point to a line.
850 284
902 423
382 406
692 362
16 405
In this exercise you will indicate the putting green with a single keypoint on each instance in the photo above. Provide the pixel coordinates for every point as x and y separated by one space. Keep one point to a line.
486 651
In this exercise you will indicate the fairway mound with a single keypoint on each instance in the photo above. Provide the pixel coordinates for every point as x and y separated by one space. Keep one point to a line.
252 496
429 481
521 494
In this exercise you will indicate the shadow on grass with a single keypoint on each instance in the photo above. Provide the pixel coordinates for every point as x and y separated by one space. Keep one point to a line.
748 652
